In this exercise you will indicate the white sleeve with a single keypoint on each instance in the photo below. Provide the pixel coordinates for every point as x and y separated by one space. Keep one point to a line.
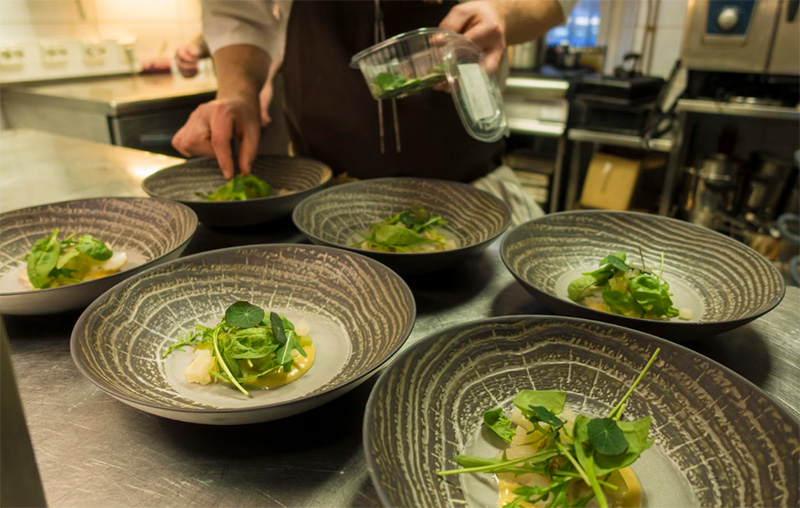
260 23
566 7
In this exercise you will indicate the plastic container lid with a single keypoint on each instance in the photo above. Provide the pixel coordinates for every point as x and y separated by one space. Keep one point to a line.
410 62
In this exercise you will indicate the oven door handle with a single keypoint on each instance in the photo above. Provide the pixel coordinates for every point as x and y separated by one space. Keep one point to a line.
791 10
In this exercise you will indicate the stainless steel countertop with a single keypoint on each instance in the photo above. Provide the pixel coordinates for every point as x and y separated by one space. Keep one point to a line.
119 95
95 451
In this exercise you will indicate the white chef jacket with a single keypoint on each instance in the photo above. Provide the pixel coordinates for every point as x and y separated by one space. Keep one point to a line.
262 23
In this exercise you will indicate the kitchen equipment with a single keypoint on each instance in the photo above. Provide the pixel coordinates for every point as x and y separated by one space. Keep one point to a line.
359 313
291 178
767 188
429 404
723 282
150 231
749 36
336 216
423 58
712 191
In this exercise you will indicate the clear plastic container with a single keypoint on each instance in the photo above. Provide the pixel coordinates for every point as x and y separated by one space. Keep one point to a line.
418 60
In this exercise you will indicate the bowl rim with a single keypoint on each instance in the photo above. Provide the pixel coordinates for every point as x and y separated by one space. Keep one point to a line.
80 323
122 273
653 322
372 464
410 255
327 175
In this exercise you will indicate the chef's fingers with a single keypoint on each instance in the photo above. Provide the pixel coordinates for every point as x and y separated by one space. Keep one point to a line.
458 19
221 134
194 138
248 147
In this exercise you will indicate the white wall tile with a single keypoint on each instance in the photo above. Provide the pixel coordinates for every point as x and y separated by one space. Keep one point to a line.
667 49
152 39
672 13
126 11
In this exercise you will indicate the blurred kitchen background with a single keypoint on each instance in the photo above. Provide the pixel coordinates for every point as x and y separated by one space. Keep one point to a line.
686 108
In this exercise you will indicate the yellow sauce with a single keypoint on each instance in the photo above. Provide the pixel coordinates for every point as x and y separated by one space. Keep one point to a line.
628 494
280 378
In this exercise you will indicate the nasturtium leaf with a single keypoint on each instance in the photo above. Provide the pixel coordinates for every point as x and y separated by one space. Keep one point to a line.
243 314
551 400
42 259
397 235
606 436
636 435
278 328
543 414
94 248
496 421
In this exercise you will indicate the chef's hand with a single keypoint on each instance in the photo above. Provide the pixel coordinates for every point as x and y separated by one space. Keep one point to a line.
213 125
265 97
187 59
480 22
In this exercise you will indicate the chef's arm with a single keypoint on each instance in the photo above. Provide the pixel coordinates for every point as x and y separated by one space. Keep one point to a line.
494 24
526 20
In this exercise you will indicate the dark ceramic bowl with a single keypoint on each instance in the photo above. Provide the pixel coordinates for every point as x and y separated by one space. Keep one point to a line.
300 177
719 440
723 282
150 231
334 216
359 311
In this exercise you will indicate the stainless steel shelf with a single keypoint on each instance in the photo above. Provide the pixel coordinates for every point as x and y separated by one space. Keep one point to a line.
536 87
734 109
610 138
528 126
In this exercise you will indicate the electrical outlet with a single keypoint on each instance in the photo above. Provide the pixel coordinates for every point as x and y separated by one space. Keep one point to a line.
94 53
54 53
12 56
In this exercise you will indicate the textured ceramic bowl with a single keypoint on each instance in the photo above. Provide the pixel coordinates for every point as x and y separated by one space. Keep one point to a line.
150 231
719 440
360 313
334 216
301 177
724 283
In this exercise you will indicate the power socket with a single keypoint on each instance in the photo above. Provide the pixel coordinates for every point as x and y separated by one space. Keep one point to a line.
53 53
12 56
94 53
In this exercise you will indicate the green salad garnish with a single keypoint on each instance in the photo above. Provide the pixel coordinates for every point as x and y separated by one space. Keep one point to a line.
414 230
583 454
53 262
239 188
387 85
244 346
621 288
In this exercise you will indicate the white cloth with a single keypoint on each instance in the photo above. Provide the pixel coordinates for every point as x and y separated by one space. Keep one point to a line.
262 23
504 184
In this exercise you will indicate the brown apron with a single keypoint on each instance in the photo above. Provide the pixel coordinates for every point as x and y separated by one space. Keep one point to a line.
332 116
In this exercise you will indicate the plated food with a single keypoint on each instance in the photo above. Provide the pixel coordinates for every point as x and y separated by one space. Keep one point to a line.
276 185
132 343
60 256
344 215
715 281
622 288
688 420
248 347
413 230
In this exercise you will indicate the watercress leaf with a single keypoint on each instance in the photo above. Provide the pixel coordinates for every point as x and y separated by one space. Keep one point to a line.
621 256
66 256
551 400
397 235
42 259
496 421
579 286
284 354
543 414
94 248
473 461
635 434
243 314
621 302
606 436
232 364
617 263
651 294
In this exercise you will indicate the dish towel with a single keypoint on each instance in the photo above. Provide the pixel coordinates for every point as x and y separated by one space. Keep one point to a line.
504 184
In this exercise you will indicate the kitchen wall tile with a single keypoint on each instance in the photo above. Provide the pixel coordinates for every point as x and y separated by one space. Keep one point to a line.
667 50
26 33
126 11
153 39
189 10
638 38
16 33
672 13
46 11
